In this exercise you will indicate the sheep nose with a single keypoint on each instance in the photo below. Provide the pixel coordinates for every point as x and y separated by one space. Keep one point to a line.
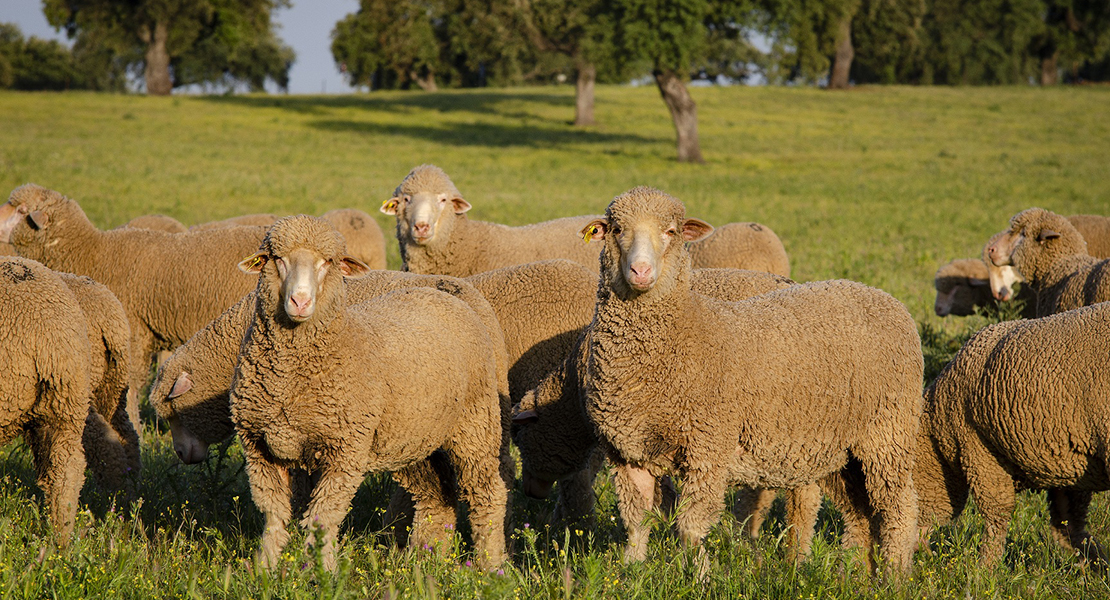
641 272
1003 294
421 229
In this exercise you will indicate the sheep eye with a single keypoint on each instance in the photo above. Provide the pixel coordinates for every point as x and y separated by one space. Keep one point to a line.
406 198
672 231
616 229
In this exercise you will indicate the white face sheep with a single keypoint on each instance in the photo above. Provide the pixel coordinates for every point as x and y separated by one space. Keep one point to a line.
805 367
302 396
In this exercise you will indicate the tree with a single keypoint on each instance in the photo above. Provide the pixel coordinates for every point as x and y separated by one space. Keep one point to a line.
179 42
36 64
390 39
1075 32
670 35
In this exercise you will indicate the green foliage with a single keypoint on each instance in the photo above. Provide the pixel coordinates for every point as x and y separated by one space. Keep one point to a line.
395 42
880 186
803 34
36 64
210 42
668 34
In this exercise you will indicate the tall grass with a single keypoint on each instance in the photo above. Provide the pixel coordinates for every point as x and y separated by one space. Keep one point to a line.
880 185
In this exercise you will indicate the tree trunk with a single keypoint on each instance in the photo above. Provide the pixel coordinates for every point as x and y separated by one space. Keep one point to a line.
842 64
683 111
427 82
157 72
584 95
1050 74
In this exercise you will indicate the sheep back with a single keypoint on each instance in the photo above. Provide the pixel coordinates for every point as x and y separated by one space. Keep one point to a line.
750 246
1095 230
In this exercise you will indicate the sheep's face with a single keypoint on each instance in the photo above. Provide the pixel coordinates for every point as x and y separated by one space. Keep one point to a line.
27 211
299 275
1000 247
642 229
420 215
1002 280
190 448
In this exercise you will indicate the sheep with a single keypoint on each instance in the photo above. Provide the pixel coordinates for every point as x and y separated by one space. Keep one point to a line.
111 438
435 240
825 373
1021 406
302 364
363 236
171 285
1052 257
436 237
750 246
46 394
157 223
962 285
556 440
1095 230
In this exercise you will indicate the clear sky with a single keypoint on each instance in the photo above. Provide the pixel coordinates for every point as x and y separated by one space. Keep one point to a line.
306 27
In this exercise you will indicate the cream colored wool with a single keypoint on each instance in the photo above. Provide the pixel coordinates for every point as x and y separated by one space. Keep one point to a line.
816 374
157 223
1095 230
44 347
422 396
1021 406
750 246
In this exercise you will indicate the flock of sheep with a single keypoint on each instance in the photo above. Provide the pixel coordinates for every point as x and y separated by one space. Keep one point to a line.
678 353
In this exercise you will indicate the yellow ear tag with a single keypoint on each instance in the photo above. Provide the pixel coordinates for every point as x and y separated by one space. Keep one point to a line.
389 204
258 261
591 231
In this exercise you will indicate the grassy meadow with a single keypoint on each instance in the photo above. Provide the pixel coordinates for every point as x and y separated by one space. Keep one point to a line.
878 184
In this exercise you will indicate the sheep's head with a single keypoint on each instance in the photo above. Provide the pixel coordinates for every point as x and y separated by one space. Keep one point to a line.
958 284
1036 239
425 205
1002 278
174 399
644 231
300 263
30 209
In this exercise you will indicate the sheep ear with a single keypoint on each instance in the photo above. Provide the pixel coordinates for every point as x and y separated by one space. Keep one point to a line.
389 207
253 264
1047 234
352 268
460 205
181 385
595 230
695 229
38 219
525 417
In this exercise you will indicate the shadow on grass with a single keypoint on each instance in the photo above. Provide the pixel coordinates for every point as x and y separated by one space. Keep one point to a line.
483 134
473 102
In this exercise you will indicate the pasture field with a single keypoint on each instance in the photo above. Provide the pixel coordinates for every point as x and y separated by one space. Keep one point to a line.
878 184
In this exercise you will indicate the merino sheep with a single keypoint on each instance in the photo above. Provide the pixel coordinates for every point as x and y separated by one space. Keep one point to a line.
1052 257
46 394
363 236
111 438
1021 406
157 223
171 285
750 246
825 373
436 237
435 386
962 285
1095 230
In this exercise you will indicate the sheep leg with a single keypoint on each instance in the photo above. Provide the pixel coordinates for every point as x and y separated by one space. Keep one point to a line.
575 504
399 515
60 470
802 506
428 483
482 486
1068 515
993 489
635 496
703 491
271 493
142 348
750 508
331 501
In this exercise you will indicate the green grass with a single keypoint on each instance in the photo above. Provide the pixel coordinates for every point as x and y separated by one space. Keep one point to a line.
880 185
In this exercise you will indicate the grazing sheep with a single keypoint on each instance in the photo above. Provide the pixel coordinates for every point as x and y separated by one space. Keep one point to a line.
111 438
1052 257
962 285
826 373
302 396
436 237
44 347
157 223
171 285
1095 230
1021 406
749 246
363 236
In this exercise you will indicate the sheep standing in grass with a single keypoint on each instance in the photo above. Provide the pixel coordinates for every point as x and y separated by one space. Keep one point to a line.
1052 257
171 285
779 391
303 396
1022 405
44 347
111 438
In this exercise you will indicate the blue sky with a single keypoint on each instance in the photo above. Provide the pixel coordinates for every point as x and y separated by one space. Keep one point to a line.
306 27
